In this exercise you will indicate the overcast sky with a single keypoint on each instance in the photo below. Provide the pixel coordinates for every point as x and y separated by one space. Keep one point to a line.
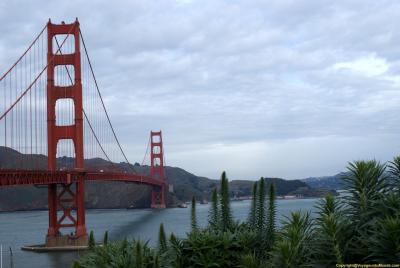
257 88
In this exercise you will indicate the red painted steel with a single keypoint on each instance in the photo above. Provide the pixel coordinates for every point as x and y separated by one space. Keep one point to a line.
73 132
66 188
157 169
14 177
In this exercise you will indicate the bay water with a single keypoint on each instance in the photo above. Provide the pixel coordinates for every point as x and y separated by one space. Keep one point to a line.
29 227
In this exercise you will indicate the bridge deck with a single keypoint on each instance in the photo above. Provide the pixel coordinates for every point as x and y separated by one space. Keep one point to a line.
11 177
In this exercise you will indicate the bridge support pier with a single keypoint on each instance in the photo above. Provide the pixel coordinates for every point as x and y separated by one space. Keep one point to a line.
67 210
158 198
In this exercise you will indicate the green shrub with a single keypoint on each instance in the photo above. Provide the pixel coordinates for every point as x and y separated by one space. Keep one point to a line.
135 254
293 246
92 242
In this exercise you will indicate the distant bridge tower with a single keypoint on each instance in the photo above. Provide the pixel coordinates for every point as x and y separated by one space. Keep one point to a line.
68 198
157 170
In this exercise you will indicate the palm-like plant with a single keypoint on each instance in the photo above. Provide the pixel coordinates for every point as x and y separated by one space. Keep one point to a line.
385 241
271 216
394 170
226 214
92 242
193 217
175 258
251 261
388 206
162 240
367 184
253 208
105 239
214 213
332 233
135 254
260 209
293 245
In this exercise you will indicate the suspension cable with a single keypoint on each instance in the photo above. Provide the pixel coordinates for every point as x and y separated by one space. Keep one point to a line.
34 81
147 150
26 51
102 102
84 113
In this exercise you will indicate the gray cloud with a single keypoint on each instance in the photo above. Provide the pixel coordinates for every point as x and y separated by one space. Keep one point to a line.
257 88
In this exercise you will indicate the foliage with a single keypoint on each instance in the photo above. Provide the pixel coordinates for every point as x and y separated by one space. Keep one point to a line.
226 215
135 254
394 170
214 214
251 261
385 241
260 207
92 242
216 249
362 227
105 239
331 235
271 228
253 207
366 183
193 218
162 240
293 246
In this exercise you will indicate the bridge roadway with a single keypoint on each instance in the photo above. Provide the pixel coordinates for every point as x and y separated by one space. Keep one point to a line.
12 177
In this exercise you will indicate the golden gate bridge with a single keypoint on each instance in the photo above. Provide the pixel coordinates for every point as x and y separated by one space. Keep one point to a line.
52 109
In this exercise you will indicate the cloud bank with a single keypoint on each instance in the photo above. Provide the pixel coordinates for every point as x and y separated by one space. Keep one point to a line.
256 88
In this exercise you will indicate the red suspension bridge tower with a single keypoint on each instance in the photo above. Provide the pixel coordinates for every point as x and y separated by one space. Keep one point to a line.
157 169
72 194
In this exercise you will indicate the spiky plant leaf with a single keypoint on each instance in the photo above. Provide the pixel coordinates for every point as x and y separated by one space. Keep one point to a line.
293 246
385 241
253 208
226 214
271 228
214 213
193 217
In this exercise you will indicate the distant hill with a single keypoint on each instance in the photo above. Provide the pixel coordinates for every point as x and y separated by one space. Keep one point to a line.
283 187
122 194
327 182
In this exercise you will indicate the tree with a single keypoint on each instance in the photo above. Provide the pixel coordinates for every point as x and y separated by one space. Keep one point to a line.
332 233
293 248
162 241
260 221
105 239
271 216
193 217
92 242
366 183
226 215
213 217
385 241
253 207
394 170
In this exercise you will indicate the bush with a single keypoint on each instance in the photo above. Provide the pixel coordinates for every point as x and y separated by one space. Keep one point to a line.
124 253
363 227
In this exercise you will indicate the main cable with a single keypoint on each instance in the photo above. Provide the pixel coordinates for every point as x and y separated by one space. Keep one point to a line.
102 102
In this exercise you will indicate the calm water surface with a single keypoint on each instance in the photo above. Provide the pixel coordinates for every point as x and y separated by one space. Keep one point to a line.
27 228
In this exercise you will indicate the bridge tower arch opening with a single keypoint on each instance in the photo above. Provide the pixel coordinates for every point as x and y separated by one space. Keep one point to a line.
69 198
157 170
